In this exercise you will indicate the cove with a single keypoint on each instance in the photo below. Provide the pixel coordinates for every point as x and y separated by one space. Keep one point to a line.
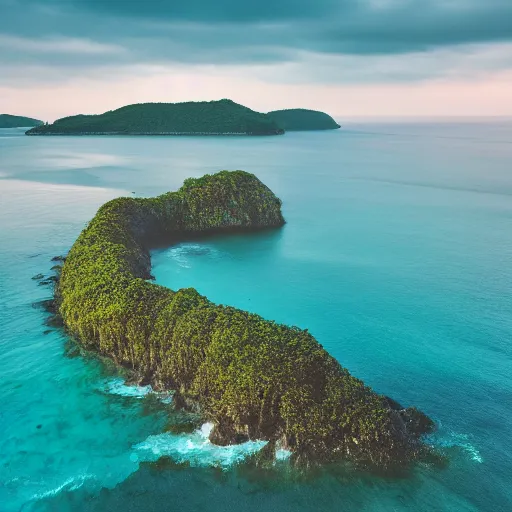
251 378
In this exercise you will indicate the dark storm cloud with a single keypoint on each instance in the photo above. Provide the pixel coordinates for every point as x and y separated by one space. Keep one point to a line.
350 26
236 31
210 11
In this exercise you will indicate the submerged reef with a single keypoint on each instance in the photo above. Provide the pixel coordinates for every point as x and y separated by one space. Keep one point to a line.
252 378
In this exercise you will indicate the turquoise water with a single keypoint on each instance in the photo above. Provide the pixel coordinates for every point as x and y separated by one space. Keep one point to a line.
397 256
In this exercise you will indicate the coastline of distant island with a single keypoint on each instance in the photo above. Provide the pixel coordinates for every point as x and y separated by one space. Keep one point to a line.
204 118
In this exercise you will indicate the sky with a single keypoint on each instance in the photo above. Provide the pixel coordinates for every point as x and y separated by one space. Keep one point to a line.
350 58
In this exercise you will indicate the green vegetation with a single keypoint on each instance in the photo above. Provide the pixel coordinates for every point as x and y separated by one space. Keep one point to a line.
301 119
191 118
8 121
251 377
223 117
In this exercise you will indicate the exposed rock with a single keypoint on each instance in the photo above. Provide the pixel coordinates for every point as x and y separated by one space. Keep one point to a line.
47 281
48 305
225 433
417 422
54 321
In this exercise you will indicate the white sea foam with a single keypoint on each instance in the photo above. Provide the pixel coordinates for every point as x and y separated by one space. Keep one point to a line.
282 454
195 449
206 430
165 398
179 256
183 253
119 387
453 439
71 484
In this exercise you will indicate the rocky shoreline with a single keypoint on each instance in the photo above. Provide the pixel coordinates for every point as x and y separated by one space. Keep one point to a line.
252 378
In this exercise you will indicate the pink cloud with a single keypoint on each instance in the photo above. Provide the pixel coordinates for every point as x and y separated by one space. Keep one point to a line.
486 96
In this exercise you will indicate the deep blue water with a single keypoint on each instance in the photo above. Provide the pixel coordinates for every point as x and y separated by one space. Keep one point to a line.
396 255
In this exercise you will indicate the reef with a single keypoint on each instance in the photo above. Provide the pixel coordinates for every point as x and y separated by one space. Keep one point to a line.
252 378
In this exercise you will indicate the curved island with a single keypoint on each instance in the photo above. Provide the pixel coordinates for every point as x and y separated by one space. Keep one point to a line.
252 378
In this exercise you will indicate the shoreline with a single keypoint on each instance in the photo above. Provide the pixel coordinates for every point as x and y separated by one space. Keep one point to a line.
167 134
251 377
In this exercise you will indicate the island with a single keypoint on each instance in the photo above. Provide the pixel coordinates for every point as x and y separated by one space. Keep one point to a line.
223 117
10 121
252 378
301 119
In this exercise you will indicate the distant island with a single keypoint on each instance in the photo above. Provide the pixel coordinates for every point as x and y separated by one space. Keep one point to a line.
9 121
301 119
252 378
223 117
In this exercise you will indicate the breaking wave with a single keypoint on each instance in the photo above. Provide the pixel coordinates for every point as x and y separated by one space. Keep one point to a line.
119 387
195 449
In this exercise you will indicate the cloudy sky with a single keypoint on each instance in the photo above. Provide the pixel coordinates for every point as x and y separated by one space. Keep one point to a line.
347 57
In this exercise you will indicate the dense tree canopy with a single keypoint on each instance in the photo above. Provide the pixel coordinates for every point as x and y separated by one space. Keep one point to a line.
223 117
251 377
202 118
301 119
9 121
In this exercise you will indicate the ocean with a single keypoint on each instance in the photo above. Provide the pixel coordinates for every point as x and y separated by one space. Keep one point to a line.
396 255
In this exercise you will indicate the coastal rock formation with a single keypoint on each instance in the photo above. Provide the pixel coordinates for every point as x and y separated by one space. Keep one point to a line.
252 378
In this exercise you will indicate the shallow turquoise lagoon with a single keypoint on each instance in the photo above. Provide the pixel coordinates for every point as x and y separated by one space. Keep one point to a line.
396 255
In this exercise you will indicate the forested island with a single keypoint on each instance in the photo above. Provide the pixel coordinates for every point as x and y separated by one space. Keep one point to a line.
252 378
224 117
301 119
10 121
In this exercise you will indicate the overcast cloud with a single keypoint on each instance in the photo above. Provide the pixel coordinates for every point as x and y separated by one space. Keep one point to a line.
322 42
